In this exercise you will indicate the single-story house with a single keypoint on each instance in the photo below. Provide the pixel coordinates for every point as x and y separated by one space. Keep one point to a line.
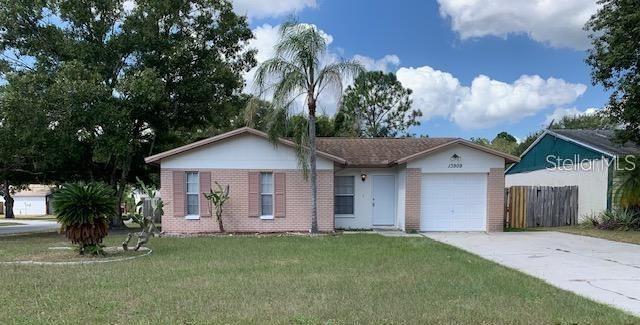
589 159
33 201
427 184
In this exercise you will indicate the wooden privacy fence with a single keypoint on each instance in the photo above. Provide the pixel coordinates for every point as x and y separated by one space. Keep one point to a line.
541 206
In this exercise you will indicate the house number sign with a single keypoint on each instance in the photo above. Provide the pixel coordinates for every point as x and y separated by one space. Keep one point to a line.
455 161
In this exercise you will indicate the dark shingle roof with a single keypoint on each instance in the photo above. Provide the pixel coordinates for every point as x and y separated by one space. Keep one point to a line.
352 152
376 151
603 140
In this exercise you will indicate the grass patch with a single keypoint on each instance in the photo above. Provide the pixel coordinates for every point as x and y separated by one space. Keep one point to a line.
4 224
343 279
71 255
32 217
631 236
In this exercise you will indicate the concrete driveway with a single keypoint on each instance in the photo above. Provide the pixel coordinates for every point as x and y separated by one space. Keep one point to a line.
603 270
27 226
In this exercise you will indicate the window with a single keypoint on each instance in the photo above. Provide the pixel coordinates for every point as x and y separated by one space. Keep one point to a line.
344 189
193 187
266 195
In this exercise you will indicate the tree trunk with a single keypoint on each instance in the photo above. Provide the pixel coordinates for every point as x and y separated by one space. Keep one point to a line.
219 217
8 202
116 221
312 168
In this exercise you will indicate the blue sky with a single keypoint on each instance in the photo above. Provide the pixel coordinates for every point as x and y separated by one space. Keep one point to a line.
531 53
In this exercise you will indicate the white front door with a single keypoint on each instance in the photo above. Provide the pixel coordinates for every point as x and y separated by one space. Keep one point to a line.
453 202
384 200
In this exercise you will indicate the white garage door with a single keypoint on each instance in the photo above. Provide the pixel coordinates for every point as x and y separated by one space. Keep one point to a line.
454 202
27 205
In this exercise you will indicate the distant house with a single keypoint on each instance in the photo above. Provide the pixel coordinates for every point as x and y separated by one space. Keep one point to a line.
588 159
427 184
32 201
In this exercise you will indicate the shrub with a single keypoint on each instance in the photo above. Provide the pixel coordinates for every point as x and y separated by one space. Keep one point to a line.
620 219
590 221
84 211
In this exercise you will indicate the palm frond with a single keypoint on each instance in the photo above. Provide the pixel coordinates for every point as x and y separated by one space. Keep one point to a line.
303 44
333 75
628 191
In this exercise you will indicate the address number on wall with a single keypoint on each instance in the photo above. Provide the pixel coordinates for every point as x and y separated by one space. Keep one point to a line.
457 165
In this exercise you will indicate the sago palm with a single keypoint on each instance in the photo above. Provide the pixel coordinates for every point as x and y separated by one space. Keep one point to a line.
297 71
84 211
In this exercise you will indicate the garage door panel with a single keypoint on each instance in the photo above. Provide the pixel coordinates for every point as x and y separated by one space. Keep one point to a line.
453 202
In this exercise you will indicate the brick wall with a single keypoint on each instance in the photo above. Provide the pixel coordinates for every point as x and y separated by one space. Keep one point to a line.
412 199
495 199
235 213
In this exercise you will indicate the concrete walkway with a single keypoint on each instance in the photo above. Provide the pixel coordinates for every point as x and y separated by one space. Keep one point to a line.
599 269
394 233
27 226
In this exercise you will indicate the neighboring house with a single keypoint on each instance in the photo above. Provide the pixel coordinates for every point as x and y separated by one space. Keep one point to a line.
32 201
584 158
428 184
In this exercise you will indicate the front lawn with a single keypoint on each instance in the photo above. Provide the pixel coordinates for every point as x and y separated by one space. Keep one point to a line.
10 224
360 278
32 217
631 236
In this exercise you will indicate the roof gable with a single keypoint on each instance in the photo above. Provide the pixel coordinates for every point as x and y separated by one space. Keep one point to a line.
553 146
245 130
599 140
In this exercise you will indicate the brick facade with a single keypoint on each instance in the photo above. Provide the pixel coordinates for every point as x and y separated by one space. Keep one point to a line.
495 199
235 213
412 198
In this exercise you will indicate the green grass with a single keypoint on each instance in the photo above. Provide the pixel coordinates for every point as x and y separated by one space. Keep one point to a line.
32 217
342 279
630 236
10 224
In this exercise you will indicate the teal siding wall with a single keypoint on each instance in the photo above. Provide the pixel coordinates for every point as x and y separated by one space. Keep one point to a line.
536 158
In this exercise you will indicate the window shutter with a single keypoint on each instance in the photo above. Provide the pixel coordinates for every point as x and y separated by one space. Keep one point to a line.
279 194
254 194
179 194
205 187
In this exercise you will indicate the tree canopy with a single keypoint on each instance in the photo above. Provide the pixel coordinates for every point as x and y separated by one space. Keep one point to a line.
377 105
587 122
503 141
615 60
115 84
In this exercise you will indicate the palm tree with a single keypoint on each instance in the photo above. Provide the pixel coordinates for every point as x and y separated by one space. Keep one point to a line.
297 70
628 192
84 211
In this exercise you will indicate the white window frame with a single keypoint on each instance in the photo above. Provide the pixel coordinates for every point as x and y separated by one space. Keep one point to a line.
273 203
187 193
353 208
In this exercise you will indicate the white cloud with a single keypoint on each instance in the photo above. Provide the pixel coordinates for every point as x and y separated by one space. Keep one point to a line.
560 112
435 92
265 38
490 102
558 23
270 8
384 64
486 103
